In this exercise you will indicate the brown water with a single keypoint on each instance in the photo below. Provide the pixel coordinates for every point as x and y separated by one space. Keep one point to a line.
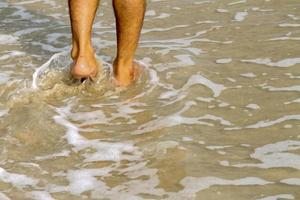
215 115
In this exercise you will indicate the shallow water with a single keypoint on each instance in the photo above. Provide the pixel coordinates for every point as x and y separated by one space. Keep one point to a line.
215 115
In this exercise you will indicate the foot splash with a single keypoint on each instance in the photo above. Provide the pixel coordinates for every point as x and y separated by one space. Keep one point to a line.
56 73
53 78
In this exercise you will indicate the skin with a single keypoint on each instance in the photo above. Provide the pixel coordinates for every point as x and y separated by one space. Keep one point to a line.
129 20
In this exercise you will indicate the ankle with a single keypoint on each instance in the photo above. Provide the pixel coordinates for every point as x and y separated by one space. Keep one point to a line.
123 68
123 63
124 60
74 53
81 52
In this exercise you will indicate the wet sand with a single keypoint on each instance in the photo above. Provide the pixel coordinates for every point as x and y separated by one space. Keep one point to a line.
215 114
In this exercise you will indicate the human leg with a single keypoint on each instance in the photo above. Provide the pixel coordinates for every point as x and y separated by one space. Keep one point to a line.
82 14
129 20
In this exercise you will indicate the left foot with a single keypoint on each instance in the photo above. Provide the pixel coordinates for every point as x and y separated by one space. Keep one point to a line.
85 65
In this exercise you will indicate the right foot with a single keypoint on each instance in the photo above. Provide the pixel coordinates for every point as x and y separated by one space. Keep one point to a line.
126 74
85 65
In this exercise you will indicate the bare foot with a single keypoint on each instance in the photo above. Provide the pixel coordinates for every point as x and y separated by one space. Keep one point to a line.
126 75
85 64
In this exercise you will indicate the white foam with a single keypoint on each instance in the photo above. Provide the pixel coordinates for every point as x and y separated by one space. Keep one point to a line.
168 121
201 2
4 78
3 196
187 139
185 59
27 31
163 15
237 2
231 80
253 106
150 13
85 180
17 180
284 38
199 79
267 123
33 166
289 62
194 80
132 190
124 110
22 13
215 147
205 99
224 163
223 60
293 17
278 197
177 119
8 39
160 149
291 181
104 151
276 155
52 48
248 75
261 10
288 126
240 16
39 195
39 71
159 29
12 54
293 88
221 10
64 153
245 145
207 22
82 180
223 104
3 5
176 8
193 185
167 45
293 101
288 25
4 112
292 76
